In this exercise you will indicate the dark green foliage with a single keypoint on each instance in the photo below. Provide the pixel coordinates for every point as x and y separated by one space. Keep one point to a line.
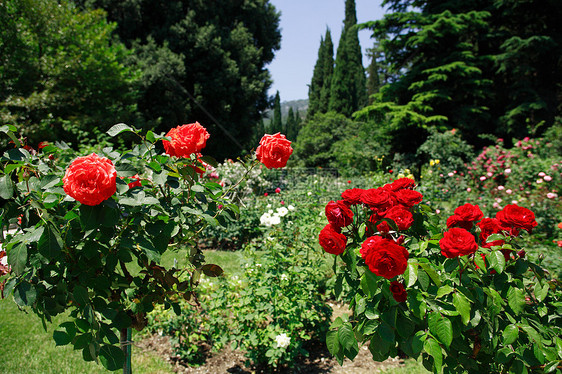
62 74
333 140
320 85
481 67
448 147
276 124
224 50
291 125
348 90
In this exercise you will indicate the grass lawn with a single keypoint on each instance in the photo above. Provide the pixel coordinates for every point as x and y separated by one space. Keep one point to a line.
26 348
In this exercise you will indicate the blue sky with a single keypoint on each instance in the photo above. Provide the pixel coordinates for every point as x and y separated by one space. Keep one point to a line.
303 23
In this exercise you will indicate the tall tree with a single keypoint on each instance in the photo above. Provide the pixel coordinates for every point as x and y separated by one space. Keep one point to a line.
482 66
291 125
224 51
277 121
348 90
320 85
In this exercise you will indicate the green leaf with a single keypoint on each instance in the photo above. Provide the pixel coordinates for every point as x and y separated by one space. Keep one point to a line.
25 294
379 348
444 290
497 261
462 305
118 129
80 296
6 187
411 274
150 136
111 357
434 350
387 332
347 340
440 327
50 243
551 366
17 258
516 299
541 291
431 272
533 334
510 334
480 262
332 342
65 333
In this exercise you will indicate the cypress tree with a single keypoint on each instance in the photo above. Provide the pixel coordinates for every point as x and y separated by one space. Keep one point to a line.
276 123
348 90
315 87
328 68
291 125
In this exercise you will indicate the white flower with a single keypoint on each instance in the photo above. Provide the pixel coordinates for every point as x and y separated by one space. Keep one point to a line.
268 206
291 207
309 193
282 212
539 181
282 340
284 277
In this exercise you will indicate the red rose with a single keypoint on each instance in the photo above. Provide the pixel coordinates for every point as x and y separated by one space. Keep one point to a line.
352 196
464 217
332 241
516 217
398 292
457 242
400 184
378 199
384 257
186 139
401 216
274 151
338 213
489 226
90 179
408 198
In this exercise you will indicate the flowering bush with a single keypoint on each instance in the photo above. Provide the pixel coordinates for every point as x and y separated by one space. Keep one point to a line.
89 238
464 300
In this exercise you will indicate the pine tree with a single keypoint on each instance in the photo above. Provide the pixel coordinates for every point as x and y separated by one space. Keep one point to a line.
277 122
348 90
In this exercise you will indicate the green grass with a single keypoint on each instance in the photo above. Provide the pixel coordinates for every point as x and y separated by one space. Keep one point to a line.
25 348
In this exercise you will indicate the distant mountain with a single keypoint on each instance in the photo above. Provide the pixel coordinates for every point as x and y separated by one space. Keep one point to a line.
301 105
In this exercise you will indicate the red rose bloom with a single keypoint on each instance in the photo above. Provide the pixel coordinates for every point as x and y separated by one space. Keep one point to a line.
332 241
457 242
516 217
352 196
401 216
398 292
400 184
90 179
384 257
186 139
338 213
274 151
489 226
408 198
378 199
465 215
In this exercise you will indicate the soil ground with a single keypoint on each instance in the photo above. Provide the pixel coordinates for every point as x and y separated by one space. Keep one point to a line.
229 361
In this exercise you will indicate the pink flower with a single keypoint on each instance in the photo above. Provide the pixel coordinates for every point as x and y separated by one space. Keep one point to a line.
507 171
489 174
468 189
277 190
450 174
551 195
542 174
547 178
265 194
539 181
482 178
501 188
508 191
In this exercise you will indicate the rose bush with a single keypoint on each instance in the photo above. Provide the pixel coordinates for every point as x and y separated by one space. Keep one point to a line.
89 238
463 299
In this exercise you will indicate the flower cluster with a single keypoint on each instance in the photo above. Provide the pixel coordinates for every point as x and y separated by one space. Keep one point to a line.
388 211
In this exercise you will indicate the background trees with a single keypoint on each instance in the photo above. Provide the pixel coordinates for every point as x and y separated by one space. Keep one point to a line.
221 81
62 74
